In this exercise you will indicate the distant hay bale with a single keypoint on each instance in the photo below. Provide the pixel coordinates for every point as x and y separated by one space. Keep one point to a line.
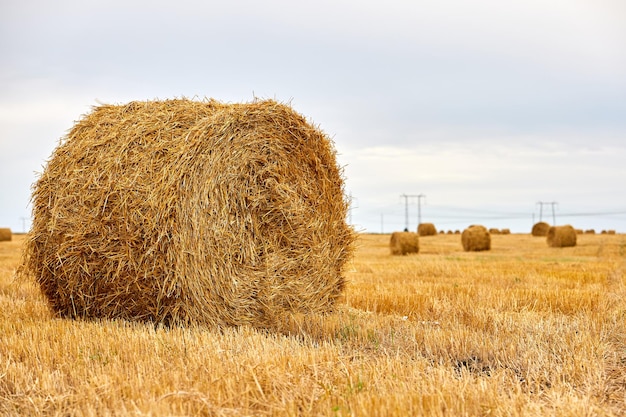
494 231
191 212
603 232
441 232
561 236
590 232
450 232
5 234
505 231
611 232
476 238
457 232
579 231
540 229
404 243
426 229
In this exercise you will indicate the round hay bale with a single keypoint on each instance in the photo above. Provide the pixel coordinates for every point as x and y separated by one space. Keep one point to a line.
579 231
403 243
494 231
426 229
476 238
540 229
611 231
590 232
5 234
505 231
191 212
561 236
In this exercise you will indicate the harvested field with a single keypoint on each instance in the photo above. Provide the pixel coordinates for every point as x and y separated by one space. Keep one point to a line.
520 330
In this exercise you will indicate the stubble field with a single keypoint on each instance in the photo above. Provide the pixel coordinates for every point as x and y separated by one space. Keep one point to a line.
520 330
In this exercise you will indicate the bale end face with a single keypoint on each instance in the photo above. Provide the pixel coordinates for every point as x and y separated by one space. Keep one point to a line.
5 234
426 229
540 229
561 236
404 243
476 238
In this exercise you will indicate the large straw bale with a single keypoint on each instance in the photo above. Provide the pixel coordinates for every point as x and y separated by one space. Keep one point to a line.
5 234
561 236
540 229
403 243
191 212
476 238
426 229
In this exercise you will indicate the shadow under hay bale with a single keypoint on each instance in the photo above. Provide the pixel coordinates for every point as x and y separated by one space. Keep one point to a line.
540 229
476 238
426 229
404 243
5 234
191 212
561 236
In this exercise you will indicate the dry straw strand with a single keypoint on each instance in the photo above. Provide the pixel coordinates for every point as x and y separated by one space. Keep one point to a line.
561 236
5 234
404 243
426 229
540 229
191 212
476 238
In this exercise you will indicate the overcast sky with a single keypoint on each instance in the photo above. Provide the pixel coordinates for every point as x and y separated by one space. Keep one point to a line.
486 107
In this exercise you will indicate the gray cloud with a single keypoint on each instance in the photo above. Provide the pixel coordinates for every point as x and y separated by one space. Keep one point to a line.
447 96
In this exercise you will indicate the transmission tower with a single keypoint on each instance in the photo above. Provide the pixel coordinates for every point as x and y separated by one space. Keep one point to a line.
406 208
551 203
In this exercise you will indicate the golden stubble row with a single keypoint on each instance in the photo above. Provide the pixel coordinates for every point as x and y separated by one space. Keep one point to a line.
522 330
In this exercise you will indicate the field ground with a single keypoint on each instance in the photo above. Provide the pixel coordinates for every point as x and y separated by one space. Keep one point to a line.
521 330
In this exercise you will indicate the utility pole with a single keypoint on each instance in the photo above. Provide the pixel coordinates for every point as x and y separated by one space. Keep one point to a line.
406 211
406 208
553 203
350 207
541 203
419 208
